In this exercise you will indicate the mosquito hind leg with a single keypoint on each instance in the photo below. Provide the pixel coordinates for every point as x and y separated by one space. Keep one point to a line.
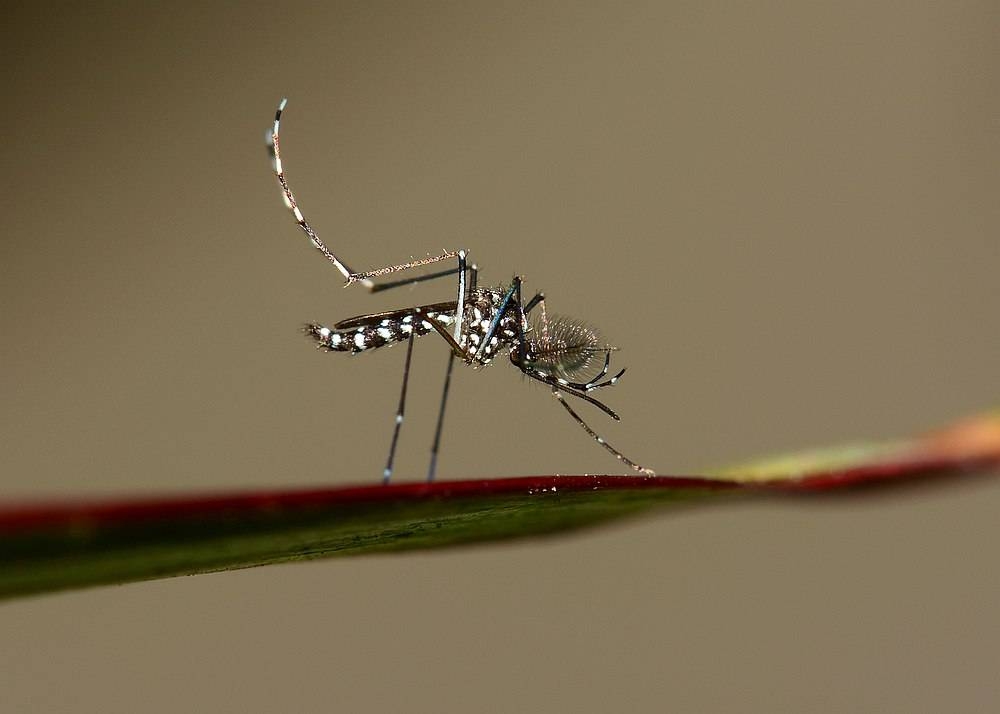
274 149
599 439
379 287
595 381
365 278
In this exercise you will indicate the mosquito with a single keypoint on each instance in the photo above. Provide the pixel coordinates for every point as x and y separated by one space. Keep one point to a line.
479 325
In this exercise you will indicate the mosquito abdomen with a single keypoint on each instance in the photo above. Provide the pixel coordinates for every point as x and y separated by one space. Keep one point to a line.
374 335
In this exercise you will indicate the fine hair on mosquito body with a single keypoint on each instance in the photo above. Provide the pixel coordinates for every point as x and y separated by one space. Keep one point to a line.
478 325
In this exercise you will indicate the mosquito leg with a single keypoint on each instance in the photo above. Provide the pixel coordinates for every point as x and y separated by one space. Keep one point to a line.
443 331
387 473
274 148
593 383
571 387
533 302
599 439
440 420
468 278
555 383
453 339
366 277
460 310
379 287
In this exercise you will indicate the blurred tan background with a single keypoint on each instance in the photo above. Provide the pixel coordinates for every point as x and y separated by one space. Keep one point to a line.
786 217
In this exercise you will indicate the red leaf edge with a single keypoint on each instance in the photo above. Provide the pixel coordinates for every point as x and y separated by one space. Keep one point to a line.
970 445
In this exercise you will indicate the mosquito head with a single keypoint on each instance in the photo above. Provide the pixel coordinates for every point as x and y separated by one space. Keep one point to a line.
560 346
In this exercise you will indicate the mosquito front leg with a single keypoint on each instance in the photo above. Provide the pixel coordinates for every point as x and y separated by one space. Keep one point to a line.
599 439
594 382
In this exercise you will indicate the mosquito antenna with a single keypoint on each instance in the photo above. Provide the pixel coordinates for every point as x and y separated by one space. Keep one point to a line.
599 439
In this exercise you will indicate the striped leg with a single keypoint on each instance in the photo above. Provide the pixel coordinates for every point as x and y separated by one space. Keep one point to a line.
365 278
599 439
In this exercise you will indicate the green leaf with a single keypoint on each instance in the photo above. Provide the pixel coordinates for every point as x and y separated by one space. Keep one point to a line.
54 546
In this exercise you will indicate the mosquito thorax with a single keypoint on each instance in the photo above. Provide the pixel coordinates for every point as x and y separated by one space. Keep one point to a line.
480 311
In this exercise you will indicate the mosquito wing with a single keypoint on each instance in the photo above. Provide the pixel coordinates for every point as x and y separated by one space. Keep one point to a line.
438 308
